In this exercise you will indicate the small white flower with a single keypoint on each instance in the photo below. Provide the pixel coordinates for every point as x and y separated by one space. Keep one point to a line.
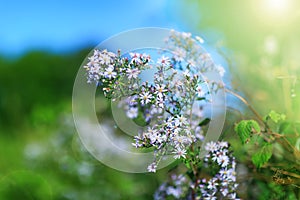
132 100
133 73
179 153
231 174
199 39
224 191
135 58
92 61
181 120
137 144
160 89
178 180
145 98
170 122
109 72
176 192
233 196
180 140
186 35
150 131
212 184
211 146
221 70
160 102
153 135
223 144
145 56
97 53
224 172
132 112
223 160
225 182
233 164
180 54
105 59
152 167
111 54
176 129
164 61
200 92
156 110
158 77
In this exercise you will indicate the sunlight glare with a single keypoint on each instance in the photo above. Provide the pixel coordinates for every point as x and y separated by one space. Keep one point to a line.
277 7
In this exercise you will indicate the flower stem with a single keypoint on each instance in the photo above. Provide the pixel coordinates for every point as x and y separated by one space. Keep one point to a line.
246 103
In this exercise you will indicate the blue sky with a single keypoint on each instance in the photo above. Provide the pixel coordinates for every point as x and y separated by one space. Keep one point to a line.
65 25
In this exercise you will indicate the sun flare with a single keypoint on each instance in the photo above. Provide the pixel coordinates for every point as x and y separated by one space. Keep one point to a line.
277 7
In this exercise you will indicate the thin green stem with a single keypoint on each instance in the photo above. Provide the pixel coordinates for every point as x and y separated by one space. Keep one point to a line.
247 104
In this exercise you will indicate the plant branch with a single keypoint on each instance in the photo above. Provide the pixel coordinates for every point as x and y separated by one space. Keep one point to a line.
246 103
286 172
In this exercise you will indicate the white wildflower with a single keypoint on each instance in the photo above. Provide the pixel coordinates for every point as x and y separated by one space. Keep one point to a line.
211 146
145 98
133 73
152 167
180 54
220 70
164 61
160 89
160 101
179 153
200 92
109 72
132 112
199 39
223 160
135 58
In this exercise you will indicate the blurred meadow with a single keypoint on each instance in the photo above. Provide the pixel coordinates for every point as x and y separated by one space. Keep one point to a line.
43 44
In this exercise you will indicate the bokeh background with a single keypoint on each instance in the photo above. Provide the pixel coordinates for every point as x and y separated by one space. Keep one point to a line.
43 43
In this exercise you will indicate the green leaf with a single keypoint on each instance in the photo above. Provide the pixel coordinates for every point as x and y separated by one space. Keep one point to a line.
284 126
246 128
263 155
200 98
254 126
276 117
204 122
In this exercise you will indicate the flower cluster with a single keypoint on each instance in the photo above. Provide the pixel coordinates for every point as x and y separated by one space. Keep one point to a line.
100 66
176 188
171 104
223 183
186 48
118 76
173 136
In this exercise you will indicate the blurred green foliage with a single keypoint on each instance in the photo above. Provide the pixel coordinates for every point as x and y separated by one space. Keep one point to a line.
260 40
41 156
35 79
